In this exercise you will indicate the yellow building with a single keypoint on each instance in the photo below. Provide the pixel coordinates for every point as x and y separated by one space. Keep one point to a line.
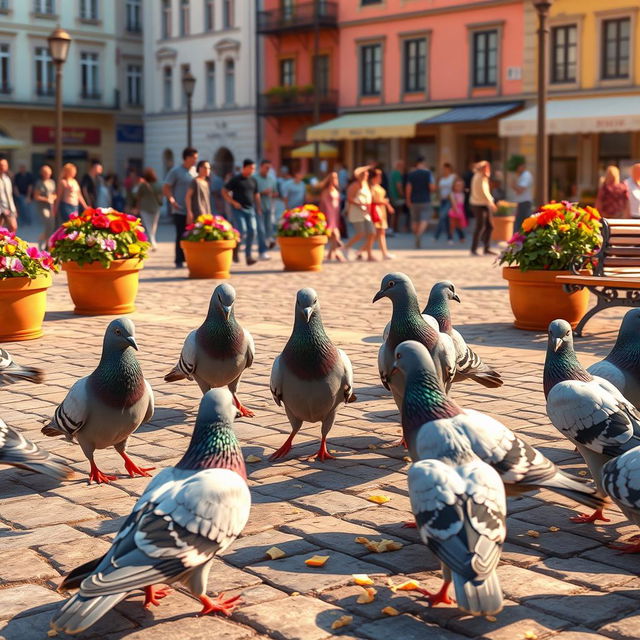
593 113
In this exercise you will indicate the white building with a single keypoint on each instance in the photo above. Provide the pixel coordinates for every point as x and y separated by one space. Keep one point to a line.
99 111
215 40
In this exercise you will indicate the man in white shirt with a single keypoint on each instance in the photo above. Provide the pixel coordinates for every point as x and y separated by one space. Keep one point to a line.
8 211
522 185
633 184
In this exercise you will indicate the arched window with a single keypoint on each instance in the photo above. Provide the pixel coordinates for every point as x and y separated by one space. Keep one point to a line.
229 82
223 162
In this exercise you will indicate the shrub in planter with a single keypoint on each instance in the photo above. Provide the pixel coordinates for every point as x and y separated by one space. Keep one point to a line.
302 234
503 220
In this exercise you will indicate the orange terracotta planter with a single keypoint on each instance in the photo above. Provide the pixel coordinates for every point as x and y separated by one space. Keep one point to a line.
502 228
100 291
23 302
537 299
209 259
302 254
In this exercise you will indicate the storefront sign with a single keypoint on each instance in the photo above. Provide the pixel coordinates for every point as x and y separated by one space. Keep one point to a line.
70 135
132 133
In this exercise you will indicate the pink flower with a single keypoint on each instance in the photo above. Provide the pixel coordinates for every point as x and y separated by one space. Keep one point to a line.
109 244
141 235
72 236
128 216
33 252
17 266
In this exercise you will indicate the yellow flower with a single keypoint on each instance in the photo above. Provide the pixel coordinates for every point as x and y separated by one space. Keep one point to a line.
10 249
564 227
134 249
530 223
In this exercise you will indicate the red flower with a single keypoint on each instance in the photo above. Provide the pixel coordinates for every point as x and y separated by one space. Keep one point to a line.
100 221
118 226
141 235
546 217
128 216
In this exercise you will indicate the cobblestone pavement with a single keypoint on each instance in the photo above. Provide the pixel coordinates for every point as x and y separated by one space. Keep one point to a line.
560 580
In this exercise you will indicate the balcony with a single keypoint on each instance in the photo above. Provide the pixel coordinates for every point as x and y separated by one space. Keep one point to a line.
304 15
282 101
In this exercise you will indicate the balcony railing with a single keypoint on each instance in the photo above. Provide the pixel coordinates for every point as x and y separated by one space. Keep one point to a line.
299 16
287 100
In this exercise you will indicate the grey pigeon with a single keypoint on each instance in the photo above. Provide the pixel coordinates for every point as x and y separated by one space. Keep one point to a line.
186 515
11 371
105 408
460 509
521 467
622 366
217 353
586 409
311 376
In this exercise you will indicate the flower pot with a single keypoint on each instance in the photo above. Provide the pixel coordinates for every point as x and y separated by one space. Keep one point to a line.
97 290
302 254
22 305
502 228
209 259
537 299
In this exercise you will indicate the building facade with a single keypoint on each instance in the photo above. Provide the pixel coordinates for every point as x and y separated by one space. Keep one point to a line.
92 89
215 41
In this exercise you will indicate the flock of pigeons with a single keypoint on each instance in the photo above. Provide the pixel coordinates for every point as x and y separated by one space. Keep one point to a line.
464 462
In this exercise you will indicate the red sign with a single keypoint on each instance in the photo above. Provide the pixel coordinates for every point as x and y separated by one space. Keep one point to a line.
70 135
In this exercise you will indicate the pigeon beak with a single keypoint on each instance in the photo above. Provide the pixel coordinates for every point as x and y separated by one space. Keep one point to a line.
380 294
308 312
227 311
394 370
456 297
557 344
132 341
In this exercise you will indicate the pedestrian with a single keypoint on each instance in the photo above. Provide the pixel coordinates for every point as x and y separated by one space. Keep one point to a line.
217 201
359 213
175 188
418 196
268 188
380 207
90 183
445 186
457 213
522 186
8 211
117 201
23 182
241 192
633 186
483 207
69 195
330 206
148 201
295 191
44 197
397 180
198 201
612 200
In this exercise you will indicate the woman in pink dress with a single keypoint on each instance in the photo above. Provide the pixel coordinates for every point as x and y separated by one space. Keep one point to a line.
457 217
330 206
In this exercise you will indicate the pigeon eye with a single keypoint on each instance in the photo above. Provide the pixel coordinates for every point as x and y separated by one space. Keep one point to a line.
118 332
391 284
315 301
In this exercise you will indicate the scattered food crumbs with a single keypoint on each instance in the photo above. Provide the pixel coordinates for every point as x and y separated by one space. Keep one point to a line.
490 618
373 446
251 458
333 451
379 546
316 561
52 633
390 611
379 498
582 473
533 533
407 585
298 486
342 621
274 553
293 594
361 540
368 595
554 529
362 579
530 635
406 459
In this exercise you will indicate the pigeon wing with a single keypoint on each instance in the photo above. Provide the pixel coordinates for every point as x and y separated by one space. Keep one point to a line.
384 368
431 321
11 371
608 371
151 407
276 381
251 348
621 479
347 375
73 412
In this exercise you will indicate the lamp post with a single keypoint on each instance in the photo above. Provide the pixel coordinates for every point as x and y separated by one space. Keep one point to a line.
542 143
188 85
59 42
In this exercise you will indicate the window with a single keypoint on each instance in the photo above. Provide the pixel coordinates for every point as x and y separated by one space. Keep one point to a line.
371 69
415 65
229 82
321 74
44 72
5 77
167 88
184 17
89 75
564 42
134 24
485 58
287 9
210 79
287 72
44 7
134 84
364 3
184 69
4 5
616 46
209 15
227 14
166 18
88 9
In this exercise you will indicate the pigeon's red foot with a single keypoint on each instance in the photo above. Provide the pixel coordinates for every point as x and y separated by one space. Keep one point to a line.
594 517
627 546
402 443
410 524
441 597
246 413
283 450
219 604
97 476
153 594
133 469
322 453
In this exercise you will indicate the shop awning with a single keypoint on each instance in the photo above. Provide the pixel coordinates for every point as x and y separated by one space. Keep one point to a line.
378 124
473 113
308 151
588 115
10 143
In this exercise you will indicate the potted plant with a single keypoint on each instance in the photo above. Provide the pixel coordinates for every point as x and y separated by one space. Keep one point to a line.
208 246
102 251
559 235
302 234
25 276
503 220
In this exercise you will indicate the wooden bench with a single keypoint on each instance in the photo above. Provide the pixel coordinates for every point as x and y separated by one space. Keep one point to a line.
616 269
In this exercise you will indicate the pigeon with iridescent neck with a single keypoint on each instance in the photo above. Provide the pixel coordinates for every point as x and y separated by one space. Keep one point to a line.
105 408
185 517
311 377
217 353
11 371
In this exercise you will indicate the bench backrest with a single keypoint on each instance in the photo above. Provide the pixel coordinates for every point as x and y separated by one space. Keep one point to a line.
621 247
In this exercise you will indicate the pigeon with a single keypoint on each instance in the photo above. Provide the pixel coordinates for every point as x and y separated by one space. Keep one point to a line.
521 467
460 508
311 376
217 353
106 407
622 366
11 371
186 515
586 409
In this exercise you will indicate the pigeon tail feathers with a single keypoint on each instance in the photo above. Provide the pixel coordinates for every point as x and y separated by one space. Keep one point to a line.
77 575
80 612
478 597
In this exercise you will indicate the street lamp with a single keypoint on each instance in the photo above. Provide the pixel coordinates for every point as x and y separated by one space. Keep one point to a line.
59 42
542 143
188 85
